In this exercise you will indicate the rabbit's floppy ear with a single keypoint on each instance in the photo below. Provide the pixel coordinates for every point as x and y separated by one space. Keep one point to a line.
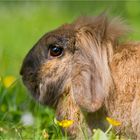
92 79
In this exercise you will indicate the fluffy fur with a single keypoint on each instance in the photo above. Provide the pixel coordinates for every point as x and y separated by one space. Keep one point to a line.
97 76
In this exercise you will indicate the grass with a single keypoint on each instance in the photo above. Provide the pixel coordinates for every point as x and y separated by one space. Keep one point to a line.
13 108
14 104
21 25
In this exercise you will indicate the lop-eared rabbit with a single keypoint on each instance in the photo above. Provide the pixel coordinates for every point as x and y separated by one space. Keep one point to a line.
85 72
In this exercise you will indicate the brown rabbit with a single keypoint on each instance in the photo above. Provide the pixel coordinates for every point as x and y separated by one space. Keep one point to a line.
83 71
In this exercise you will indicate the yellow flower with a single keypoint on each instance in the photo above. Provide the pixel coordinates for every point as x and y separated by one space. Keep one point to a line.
8 81
113 122
64 123
45 134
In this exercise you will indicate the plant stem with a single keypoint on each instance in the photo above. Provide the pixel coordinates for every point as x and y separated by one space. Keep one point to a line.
109 128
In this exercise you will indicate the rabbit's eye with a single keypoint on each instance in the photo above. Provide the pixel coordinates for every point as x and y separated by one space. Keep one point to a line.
55 51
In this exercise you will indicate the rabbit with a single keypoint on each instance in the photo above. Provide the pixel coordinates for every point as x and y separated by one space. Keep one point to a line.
86 72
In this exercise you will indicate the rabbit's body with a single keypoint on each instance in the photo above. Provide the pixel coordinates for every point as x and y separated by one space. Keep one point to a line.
124 102
85 74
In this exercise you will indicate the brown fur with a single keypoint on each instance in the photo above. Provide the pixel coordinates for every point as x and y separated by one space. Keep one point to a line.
95 77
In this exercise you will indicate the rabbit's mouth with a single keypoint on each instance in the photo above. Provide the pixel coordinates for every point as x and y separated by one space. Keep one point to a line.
50 91
44 97
40 92
32 85
48 99
45 89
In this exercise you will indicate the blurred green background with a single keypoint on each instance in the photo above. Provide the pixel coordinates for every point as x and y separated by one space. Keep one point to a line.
22 23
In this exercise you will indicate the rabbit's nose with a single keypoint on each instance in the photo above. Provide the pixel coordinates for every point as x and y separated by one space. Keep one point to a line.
26 69
32 61
29 66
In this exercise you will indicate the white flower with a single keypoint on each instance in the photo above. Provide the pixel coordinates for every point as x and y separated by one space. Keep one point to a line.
27 119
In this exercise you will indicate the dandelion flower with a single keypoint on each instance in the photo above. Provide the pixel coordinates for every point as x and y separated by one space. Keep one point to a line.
45 134
8 81
64 123
113 122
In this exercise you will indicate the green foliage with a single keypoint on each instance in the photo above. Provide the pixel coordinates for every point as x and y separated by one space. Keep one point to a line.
13 105
99 135
21 25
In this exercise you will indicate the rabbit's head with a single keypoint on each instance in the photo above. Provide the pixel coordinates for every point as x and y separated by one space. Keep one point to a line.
73 59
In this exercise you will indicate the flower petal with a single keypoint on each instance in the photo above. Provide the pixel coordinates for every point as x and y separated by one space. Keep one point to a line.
8 81
65 123
113 122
